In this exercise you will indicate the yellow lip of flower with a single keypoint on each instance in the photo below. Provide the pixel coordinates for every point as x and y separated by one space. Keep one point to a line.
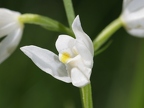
64 57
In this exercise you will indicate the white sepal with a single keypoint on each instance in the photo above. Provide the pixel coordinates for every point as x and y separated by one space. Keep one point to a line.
8 21
80 35
47 61
9 44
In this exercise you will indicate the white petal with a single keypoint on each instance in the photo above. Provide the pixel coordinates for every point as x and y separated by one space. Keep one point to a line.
125 3
8 21
133 5
137 32
9 44
78 78
64 42
7 12
85 54
6 29
7 16
81 36
78 62
47 61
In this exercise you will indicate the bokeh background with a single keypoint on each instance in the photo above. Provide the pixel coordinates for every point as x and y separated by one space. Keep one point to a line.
118 73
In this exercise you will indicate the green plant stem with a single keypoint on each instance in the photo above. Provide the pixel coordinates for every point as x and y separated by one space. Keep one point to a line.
106 33
86 94
69 11
136 99
45 22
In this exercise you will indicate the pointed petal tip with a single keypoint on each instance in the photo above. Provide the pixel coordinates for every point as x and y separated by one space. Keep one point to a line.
23 48
77 17
26 50
76 21
80 35
47 61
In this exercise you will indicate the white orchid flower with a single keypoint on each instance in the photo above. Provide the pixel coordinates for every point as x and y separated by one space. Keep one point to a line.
11 29
133 17
74 62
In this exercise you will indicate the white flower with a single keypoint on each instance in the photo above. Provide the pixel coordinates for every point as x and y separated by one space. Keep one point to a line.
133 17
74 62
11 29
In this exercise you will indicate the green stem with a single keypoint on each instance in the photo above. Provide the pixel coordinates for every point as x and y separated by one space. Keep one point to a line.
137 91
69 11
45 22
86 94
106 33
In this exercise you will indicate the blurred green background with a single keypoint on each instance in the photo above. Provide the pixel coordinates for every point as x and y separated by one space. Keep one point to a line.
118 73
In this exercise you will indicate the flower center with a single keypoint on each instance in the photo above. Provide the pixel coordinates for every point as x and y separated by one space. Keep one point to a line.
64 57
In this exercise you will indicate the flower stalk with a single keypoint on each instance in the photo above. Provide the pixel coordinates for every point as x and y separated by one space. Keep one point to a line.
86 94
106 33
137 88
69 11
45 22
